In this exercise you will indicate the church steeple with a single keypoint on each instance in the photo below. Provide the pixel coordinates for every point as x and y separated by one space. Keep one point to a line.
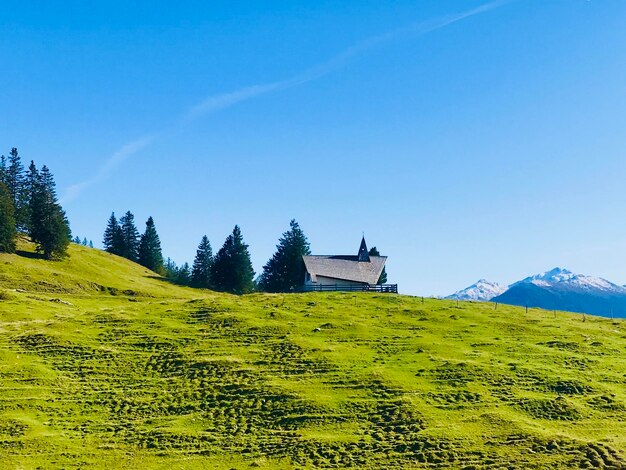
364 254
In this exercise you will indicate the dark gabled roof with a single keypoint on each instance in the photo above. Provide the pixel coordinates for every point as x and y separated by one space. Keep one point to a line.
347 268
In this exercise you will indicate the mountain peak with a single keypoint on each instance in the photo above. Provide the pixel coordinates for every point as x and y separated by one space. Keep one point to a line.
482 291
564 279
548 278
558 288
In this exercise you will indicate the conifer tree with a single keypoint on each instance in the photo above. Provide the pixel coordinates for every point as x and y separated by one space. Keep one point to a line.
15 180
284 272
113 237
3 170
183 276
30 184
130 237
170 269
14 175
84 242
90 243
46 180
202 265
232 269
8 233
76 240
383 276
150 254
49 227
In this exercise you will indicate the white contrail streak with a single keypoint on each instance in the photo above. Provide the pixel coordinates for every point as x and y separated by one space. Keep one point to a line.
224 100
122 154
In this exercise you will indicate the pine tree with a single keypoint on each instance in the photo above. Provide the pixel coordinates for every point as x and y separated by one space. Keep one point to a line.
113 238
30 184
202 265
90 243
48 227
8 233
76 240
284 272
383 276
130 237
15 180
3 170
150 254
232 269
170 270
183 276
85 242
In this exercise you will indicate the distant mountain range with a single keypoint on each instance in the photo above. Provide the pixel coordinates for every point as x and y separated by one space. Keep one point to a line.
558 289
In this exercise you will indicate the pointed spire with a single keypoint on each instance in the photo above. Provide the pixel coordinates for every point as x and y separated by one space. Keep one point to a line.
363 251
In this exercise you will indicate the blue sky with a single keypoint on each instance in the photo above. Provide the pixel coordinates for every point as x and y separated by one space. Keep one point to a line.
488 147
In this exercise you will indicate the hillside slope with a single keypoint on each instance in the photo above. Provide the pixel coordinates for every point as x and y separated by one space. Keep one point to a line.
104 365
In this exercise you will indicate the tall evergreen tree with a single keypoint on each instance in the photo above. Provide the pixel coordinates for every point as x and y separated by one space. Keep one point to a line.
76 240
202 265
284 272
15 180
8 233
150 254
30 184
14 175
130 237
47 181
113 237
383 276
49 227
3 170
232 269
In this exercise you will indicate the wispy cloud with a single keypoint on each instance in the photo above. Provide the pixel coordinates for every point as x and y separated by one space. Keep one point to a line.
122 154
224 100
216 102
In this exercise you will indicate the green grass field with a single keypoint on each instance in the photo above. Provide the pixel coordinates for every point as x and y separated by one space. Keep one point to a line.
104 365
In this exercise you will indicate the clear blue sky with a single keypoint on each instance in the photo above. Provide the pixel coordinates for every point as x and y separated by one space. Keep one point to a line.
492 146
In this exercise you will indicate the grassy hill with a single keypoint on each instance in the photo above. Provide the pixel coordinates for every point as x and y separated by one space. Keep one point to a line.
103 365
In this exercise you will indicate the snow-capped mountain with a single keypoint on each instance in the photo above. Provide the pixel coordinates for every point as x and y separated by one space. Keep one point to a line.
560 289
482 291
565 279
557 289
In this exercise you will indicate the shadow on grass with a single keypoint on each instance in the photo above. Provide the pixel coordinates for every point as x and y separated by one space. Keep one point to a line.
165 280
172 282
29 254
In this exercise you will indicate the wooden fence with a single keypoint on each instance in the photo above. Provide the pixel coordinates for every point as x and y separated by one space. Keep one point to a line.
383 288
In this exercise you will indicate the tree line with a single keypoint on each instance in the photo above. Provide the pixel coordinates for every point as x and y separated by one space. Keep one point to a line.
29 205
122 238
228 270
83 242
